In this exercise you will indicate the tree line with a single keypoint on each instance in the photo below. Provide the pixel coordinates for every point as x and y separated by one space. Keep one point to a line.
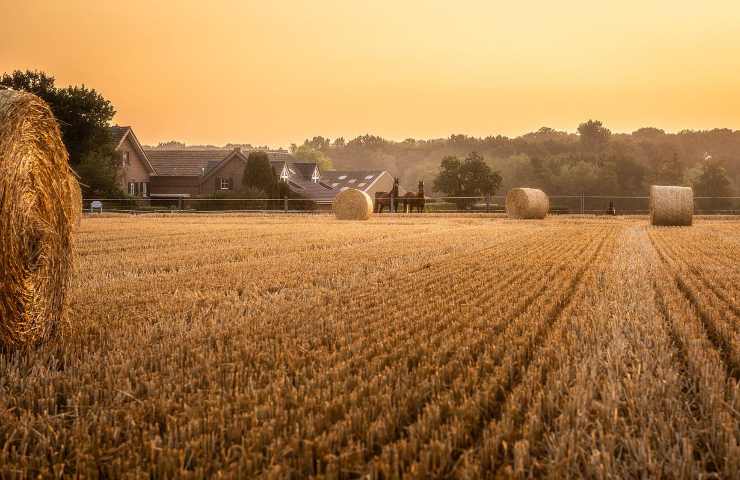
593 161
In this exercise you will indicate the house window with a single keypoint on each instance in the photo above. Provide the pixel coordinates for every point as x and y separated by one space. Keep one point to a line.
132 189
126 162
284 174
143 189
316 175
224 184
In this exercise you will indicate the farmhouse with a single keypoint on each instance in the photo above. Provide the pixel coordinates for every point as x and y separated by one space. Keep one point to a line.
136 169
181 173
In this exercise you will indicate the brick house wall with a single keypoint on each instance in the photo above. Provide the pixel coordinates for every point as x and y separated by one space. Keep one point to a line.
173 185
232 173
133 170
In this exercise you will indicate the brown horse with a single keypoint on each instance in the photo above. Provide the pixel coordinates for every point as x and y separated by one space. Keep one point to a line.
387 199
414 200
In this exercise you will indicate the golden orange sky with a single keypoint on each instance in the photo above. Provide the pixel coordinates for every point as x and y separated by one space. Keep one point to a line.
273 73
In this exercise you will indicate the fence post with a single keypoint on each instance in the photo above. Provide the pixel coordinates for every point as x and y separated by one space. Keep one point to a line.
488 203
179 203
285 203
582 204
393 198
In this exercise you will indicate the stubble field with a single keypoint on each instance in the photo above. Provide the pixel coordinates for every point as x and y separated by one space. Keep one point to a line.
421 346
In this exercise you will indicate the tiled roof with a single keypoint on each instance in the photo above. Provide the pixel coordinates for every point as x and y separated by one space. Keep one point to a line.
186 162
117 133
277 166
304 169
313 191
359 179
192 162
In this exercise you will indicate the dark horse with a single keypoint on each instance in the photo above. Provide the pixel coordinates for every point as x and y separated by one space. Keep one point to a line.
413 201
387 199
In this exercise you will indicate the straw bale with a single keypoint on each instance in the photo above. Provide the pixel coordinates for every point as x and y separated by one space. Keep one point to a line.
353 204
527 203
39 205
671 206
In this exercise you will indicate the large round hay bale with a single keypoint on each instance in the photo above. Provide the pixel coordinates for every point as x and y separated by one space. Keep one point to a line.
527 203
39 205
671 205
353 204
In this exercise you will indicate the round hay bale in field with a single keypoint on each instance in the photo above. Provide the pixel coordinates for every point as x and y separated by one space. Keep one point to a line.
671 206
353 204
527 203
39 205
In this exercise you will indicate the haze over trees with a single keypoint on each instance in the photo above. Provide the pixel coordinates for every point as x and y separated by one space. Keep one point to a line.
592 161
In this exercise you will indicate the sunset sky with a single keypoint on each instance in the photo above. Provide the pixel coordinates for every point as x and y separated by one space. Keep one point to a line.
272 73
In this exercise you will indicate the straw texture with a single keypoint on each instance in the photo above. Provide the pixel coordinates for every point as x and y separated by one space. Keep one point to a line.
527 203
671 206
353 204
39 205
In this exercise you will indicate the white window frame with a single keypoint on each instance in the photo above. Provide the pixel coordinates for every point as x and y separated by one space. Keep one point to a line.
224 184
132 189
284 174
126 159
144 191
316 175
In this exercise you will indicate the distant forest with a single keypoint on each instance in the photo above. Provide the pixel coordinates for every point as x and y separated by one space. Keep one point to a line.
592 161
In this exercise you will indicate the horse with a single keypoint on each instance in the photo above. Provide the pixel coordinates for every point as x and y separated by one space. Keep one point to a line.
415 200
386 199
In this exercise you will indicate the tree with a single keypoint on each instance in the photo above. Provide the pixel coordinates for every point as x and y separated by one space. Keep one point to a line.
669 171
318 143
98 171
630 174
84 117
713 182
306 153
648 132
471 177
172 145
369 141
594 136
258 174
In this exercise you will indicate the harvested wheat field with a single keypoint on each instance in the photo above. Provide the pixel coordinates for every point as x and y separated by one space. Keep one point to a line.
422 347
